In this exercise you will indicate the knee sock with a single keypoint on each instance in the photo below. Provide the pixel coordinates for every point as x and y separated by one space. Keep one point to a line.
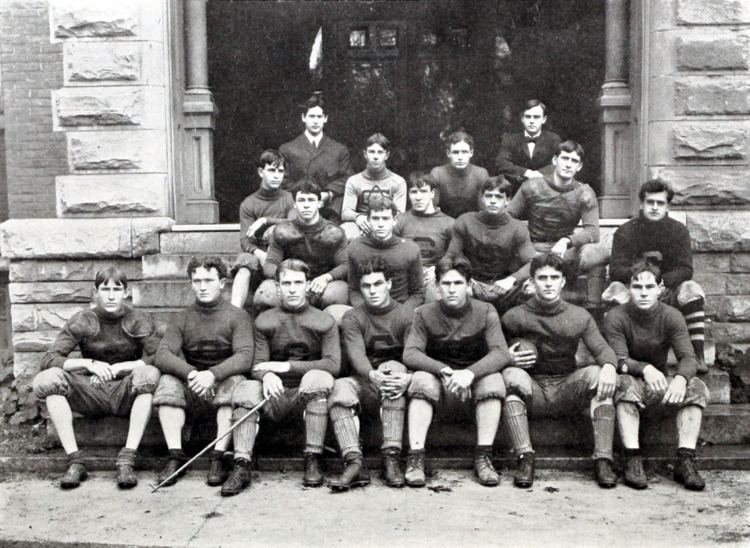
695 318
345 428
392 413
316 421
603 421
244 435
517 424
125 457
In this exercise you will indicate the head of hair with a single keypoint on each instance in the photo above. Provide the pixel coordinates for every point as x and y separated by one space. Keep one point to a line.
271 157
457 137
462 266
110 274
378 139
531 103
307 186
570 146
419 179
208 262
293 265
551 260
373 266
315 100
498 183
655 185
646 264
380 202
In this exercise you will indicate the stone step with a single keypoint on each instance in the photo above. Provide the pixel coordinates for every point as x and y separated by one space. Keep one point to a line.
163 266
167 293
202 241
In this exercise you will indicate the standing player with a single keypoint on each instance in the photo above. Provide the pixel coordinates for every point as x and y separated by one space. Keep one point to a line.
547 381
457 349
376 177
641 333
373 335
297 355
426 226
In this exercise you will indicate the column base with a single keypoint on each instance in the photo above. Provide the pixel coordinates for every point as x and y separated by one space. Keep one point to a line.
615 207
204 211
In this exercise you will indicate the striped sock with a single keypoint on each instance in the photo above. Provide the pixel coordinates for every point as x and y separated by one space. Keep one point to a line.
392 414
345 428
695 318
517 425
244 435
316 422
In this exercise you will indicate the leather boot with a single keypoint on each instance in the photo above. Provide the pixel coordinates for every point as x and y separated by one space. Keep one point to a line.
313 476
355 474
524 477
176 459
218 468
605 476
483 468
686 472
415 476
74 475
126 478
633 473
238 479
392 475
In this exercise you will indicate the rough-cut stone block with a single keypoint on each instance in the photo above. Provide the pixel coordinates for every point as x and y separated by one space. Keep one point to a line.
739 262
172 266
200 242
111 195
712 12
167 294
718 385
711 53
709 142
135 150
33 341
113 106
50 292
712 97
41 317
87 18
711 282
162 315
96 62
62 270
726 332
26 364
734 309
81 238
706 185
719 231
712 262
738 284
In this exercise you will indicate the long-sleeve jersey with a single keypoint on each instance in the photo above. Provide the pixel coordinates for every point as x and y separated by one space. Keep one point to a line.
217 337
496 246
458 189
111 338
275 206
469 337
639 235
361 185
431 232
553 211
403 258
322 246
556 330
643 337
372 336
307 338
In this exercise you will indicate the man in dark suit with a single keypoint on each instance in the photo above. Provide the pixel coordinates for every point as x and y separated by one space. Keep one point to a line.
316 156
526 155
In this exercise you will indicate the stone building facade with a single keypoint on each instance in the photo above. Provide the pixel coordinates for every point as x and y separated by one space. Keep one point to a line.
108 123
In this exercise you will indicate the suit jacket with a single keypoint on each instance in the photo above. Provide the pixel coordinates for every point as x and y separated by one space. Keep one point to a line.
514 158
328 165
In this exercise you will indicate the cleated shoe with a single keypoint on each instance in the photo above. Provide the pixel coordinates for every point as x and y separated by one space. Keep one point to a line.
524 476
74 475
313 476
605 476
238 479
415 476
392 474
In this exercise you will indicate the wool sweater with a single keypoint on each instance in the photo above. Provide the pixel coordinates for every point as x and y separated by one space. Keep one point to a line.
556 331
469 337
360 186
431 232
643 337
275 206
458 189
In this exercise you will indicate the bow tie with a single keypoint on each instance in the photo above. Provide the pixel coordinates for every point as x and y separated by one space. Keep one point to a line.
532 139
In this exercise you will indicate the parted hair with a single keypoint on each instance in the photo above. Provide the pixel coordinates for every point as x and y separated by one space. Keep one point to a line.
307 186
271 157
498 183
570 146
315 100
418 179
457 137
110 274
531 103
380 202
378 139
373 266
462 266
551 260
208 262
646 264
656 185
295 265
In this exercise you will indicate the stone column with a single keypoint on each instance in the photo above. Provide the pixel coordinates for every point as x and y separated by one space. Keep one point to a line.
615 102
199 112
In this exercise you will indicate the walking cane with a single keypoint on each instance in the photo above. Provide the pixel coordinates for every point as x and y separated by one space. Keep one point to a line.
209 446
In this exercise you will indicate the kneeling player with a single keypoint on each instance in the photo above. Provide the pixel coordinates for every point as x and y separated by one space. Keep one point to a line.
373 335
110 378
548 382
641 332
297 355
457 349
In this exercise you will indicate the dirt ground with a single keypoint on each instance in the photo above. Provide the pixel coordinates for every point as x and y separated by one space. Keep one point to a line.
562 509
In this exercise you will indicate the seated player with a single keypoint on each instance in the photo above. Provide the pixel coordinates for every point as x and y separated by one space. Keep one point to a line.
259 214
313 240
547 381
314 155
373 335
401 256
297 355
496 245
528 155
110 378
203 356
459 180
426 226
456 349
641 333
654 234
376 177
555 205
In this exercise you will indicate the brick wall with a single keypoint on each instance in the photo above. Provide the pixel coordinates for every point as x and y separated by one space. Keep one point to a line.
31 67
